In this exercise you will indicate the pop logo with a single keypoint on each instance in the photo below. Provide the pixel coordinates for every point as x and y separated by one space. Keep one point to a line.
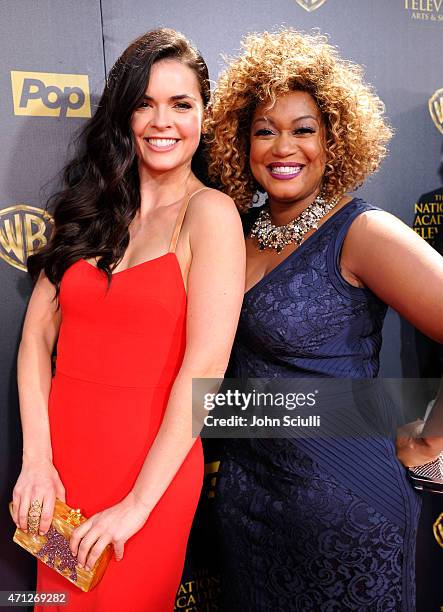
46 94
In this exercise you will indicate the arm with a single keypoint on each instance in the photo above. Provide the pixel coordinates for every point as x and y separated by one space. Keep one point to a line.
406 273
38 478
398 266
215 293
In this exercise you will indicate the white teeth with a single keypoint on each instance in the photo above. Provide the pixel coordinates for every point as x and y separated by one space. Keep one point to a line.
162 142
285 169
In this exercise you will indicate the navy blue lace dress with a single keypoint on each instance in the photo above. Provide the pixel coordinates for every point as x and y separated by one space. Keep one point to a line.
314 524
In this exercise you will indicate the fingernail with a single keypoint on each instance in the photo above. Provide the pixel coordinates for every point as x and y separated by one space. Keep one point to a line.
79 565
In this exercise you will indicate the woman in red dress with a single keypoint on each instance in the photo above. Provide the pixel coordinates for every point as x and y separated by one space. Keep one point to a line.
142 293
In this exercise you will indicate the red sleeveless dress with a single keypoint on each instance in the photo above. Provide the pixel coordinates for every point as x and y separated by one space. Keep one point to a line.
118 354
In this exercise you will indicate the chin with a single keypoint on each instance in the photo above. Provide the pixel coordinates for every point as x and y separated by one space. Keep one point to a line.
161 168
284 195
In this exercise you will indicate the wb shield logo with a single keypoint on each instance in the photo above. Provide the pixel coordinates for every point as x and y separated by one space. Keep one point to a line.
438 530
436 109
210 479
44 94
310 5
23 230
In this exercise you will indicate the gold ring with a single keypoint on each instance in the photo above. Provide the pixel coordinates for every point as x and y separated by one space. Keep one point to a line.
34 514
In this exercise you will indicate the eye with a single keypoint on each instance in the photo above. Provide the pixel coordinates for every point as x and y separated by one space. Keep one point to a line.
144 104
305 130
263 132
182 106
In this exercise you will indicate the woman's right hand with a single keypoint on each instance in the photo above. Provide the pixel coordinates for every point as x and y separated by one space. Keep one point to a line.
38 480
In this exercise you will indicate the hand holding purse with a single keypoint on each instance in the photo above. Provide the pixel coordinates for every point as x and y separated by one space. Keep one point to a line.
54 551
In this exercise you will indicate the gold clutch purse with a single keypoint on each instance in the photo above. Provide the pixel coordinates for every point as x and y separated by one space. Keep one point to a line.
53 547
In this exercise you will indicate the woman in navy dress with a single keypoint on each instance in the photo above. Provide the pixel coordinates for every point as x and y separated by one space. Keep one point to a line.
314 523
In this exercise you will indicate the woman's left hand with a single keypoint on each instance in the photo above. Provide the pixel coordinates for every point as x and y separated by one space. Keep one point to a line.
114 525
412 450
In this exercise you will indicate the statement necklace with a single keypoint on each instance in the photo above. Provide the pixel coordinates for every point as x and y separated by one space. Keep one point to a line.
270 236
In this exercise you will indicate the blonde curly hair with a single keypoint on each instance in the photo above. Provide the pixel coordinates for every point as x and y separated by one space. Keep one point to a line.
274 64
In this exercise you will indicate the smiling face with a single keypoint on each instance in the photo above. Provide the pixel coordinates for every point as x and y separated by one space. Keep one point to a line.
167 124
288 154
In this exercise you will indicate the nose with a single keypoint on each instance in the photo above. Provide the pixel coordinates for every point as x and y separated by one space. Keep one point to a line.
283 145
161 118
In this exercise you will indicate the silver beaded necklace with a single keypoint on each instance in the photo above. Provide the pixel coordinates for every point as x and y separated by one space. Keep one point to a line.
270 236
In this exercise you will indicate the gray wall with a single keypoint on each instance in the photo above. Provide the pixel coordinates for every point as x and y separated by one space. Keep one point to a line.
43 36
402 55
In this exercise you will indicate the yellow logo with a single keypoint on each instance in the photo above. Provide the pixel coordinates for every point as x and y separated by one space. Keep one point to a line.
425 10
45 94
211 470
202 592
438 530
429 216
23 230
310 5
436 109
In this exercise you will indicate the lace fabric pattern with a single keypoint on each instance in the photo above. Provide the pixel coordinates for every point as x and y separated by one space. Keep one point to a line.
304 316
302 541
315 525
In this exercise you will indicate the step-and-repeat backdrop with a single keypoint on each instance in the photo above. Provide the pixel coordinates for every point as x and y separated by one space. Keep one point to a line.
55 54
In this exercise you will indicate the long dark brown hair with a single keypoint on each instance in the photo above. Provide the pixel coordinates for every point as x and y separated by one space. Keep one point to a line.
101 184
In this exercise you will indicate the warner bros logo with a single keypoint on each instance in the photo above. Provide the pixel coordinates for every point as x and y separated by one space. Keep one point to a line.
23 230
436 109
438 530
310 5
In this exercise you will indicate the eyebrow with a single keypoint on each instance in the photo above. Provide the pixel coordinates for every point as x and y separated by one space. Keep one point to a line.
268 119
173 98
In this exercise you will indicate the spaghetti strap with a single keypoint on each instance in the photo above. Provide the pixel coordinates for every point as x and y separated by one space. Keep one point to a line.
179 222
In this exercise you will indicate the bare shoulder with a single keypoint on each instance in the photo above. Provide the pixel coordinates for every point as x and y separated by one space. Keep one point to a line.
213 198
401 268
378 226
377 237
212 207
